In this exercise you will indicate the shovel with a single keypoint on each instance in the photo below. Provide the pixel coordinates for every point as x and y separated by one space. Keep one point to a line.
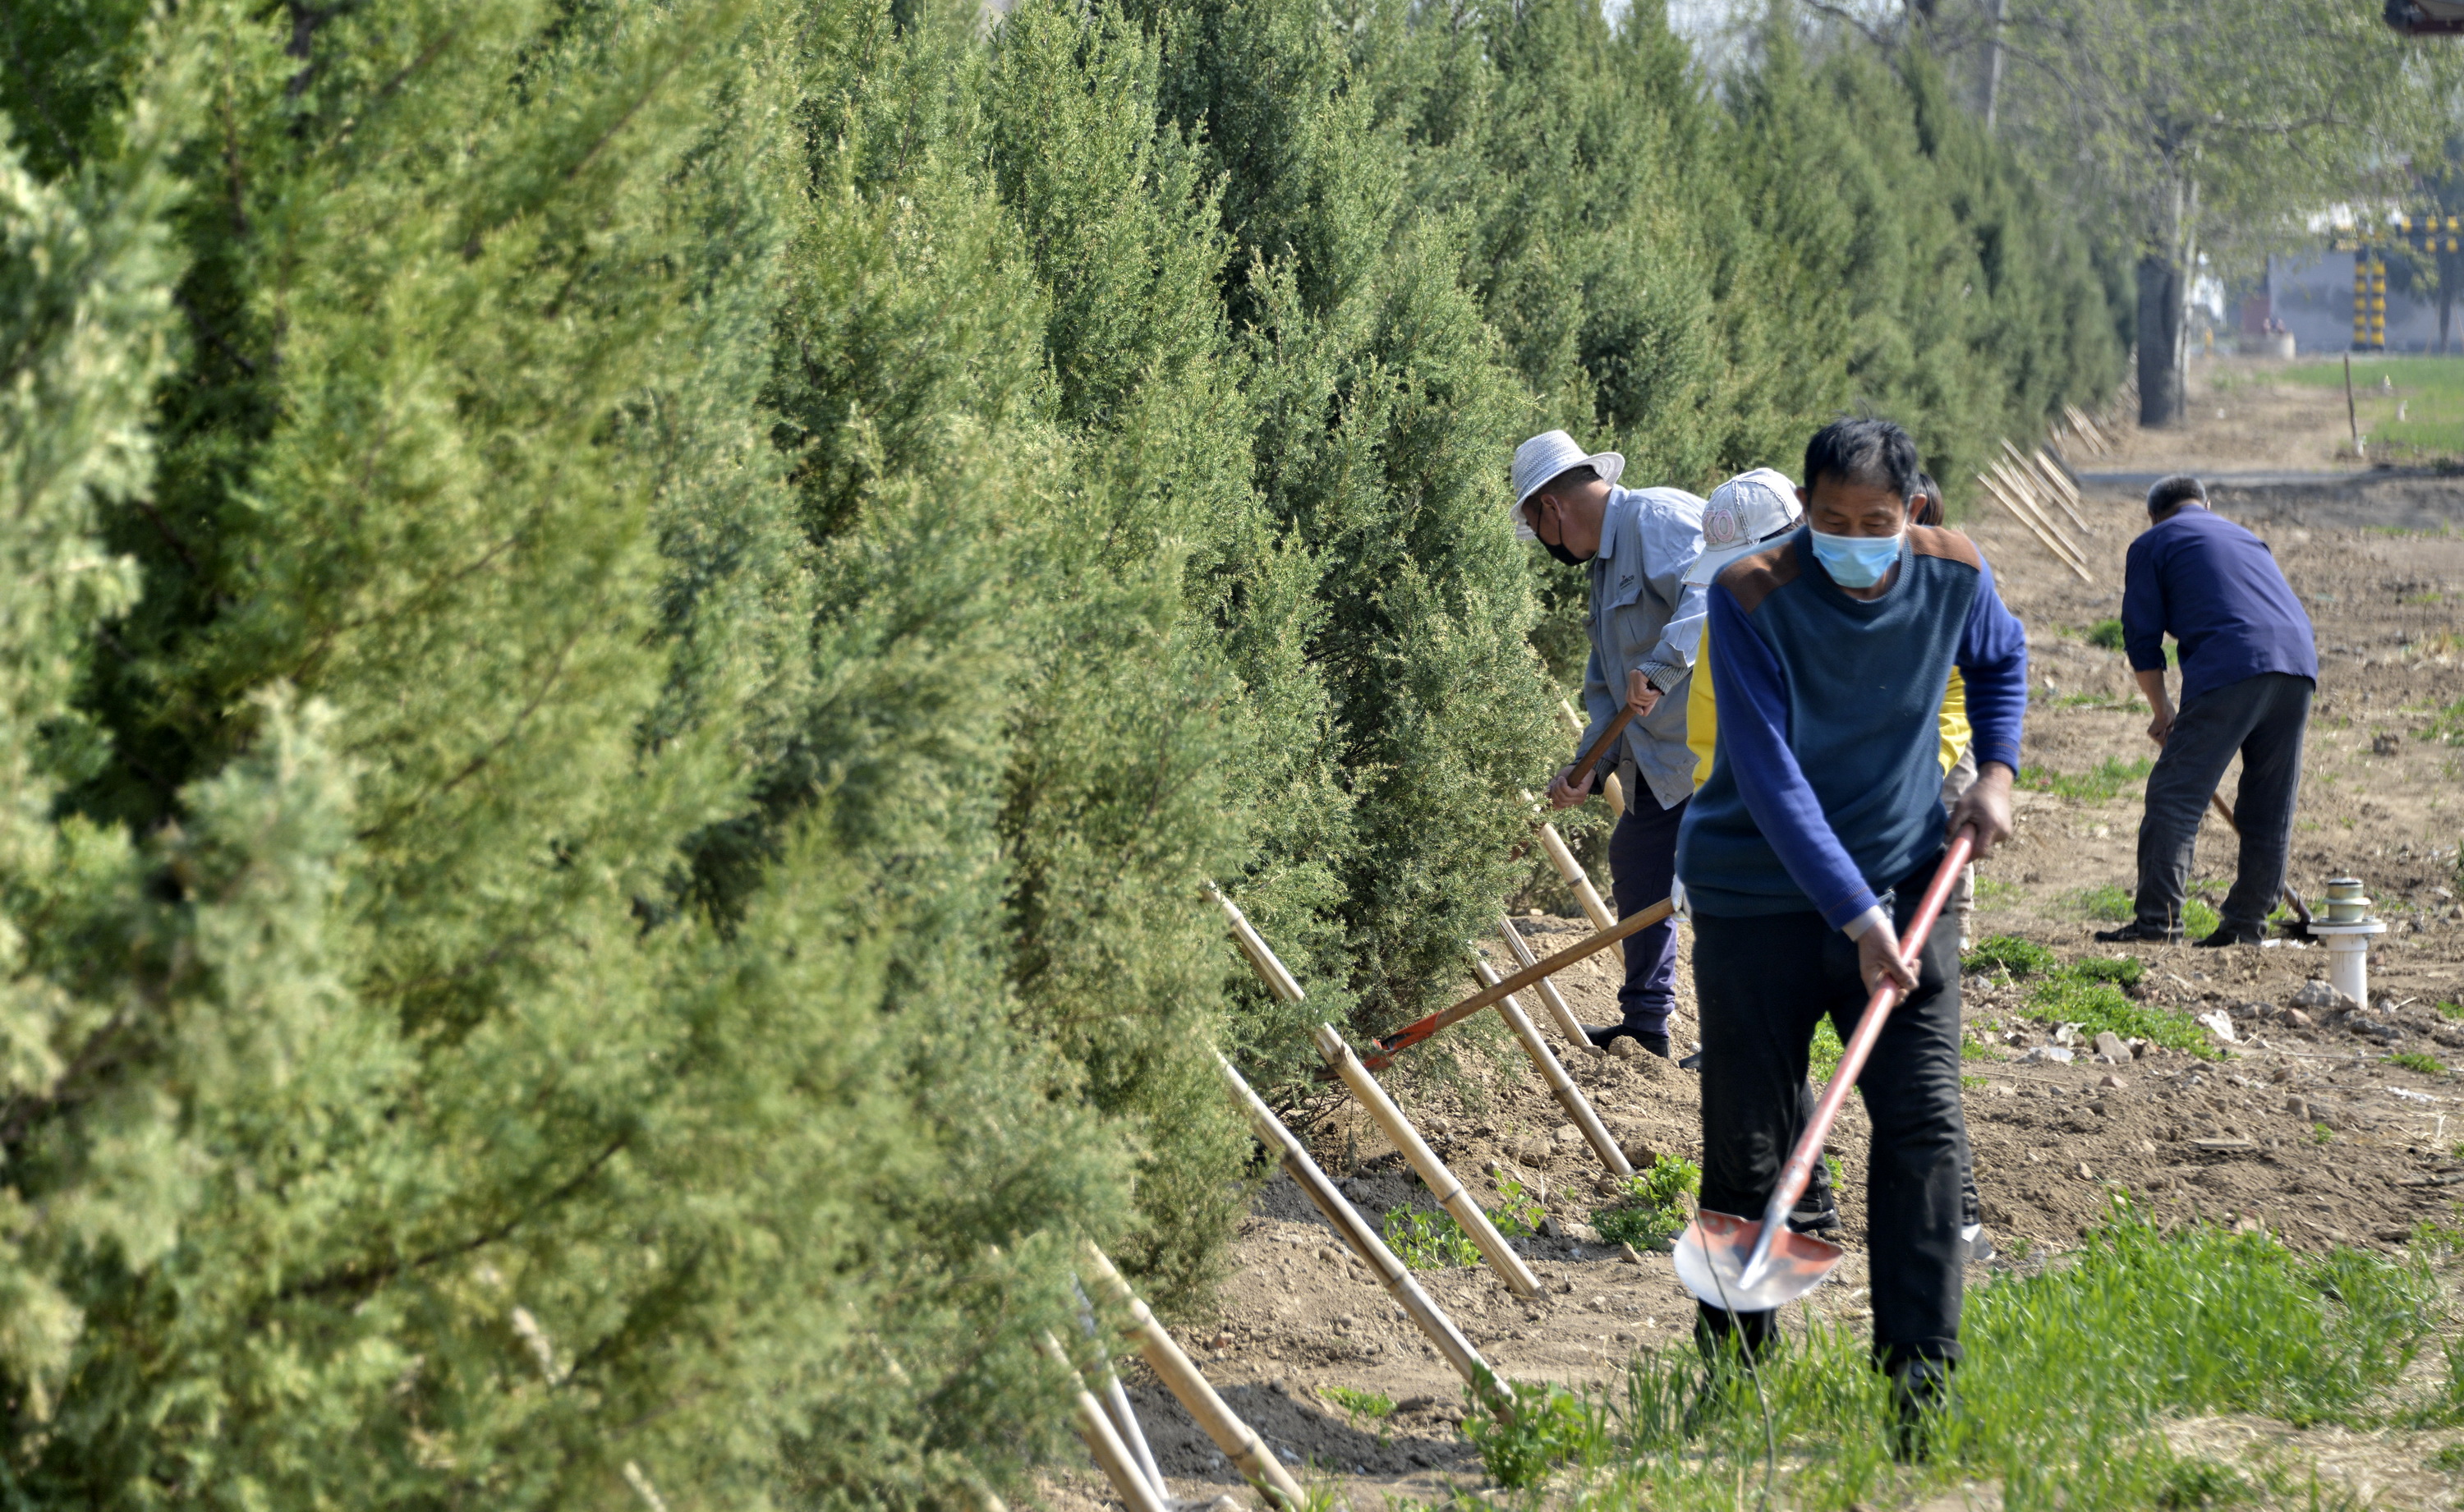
1740 1266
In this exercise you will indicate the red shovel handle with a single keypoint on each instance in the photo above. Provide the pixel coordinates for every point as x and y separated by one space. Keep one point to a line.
1799 1169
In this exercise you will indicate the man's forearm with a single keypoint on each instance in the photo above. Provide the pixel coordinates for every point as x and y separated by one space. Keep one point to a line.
2151 685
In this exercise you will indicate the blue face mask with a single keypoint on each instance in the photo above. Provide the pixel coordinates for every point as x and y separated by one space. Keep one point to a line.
1856 561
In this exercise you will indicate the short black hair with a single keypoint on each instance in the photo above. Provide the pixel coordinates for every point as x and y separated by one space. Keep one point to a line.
1928 506
1872 454
1571 476
2171 493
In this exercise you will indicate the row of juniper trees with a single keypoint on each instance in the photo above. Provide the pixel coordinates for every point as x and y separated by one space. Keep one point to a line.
630 625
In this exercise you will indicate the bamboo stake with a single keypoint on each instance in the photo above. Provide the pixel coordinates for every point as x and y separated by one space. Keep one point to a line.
1239 1443
1567 868
1561 1087
1253 945
2023 517
2042 473
1414 1033
1611 788
1433 1323
1434 1173
1567 1024
2018 483
1112 1455
1117 1402
1384 1113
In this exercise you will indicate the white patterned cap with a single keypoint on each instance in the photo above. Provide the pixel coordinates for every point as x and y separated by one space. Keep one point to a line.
1742 515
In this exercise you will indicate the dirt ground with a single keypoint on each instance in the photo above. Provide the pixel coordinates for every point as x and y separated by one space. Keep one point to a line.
2304 1128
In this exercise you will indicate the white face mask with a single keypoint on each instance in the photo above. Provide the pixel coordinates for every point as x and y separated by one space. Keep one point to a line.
1857 561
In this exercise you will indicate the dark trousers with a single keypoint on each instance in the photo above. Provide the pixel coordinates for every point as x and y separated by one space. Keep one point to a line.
2263 718
1643 862
1763 983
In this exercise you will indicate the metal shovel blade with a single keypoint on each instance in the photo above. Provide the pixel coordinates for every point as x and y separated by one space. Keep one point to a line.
1711 1262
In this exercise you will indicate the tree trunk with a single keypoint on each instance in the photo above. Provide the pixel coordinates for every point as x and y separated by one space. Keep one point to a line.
1994 67
2160 341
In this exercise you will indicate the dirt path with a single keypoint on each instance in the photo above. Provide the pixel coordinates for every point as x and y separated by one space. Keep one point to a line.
2307 1130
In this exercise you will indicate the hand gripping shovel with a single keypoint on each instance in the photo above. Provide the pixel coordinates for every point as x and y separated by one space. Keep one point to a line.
1743 1266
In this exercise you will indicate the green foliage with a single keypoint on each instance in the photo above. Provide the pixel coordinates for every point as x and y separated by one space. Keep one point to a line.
1428 1240
2122 970
1524 1429
2096 1005
2322 1134
2199 918
1650 1210
1517 1214
2105 633
633 628
2109 901
1374 1406
2010 954
2104 782
1826 1051
2418 1061
2145 1325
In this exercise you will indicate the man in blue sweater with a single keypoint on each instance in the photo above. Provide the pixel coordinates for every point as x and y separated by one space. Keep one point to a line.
2248 666
1808 848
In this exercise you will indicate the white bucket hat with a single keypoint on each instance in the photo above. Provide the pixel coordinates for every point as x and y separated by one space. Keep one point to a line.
1545 456
1743 516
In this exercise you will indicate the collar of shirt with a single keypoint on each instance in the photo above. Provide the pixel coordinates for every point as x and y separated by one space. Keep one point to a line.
1621 504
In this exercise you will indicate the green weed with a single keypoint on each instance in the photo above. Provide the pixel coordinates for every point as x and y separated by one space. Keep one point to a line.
1991 893
1651 1210
2110 902
2449 1009
2096 1005
1517 1215
2448 727
2418 1061
1826 1051
2105 780
2141 1327
2198 919
1538 1427
2322 1134
1372 1406
2106 633
2122 970
2009 954
1428 1240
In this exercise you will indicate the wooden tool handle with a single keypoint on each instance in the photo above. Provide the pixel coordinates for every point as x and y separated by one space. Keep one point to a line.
1799 1169
1413 1034
1637 689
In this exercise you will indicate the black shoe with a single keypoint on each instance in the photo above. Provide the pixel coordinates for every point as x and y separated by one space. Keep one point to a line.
1692 1063
2136 930
1921 1394
1819 1217
1602 1034
2230 934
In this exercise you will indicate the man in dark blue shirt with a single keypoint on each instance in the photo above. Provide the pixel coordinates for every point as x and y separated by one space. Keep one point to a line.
2248 666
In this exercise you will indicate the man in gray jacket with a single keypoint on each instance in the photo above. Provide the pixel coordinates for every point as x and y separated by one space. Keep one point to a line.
1636 544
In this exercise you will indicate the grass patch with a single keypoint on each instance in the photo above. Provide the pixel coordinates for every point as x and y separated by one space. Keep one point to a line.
2070 1376
2010 955
2085 995
2447 726
2416 1060
1824 1058
1372 1406
1993 893
2449 1009
2198 919
1427 1241
1518 1214
2106 633
1651 1210
2110 902
2103 781
2429 393
2322 1134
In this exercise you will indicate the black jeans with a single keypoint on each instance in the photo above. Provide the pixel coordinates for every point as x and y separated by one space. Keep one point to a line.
1643 861
2263 718
1763 983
